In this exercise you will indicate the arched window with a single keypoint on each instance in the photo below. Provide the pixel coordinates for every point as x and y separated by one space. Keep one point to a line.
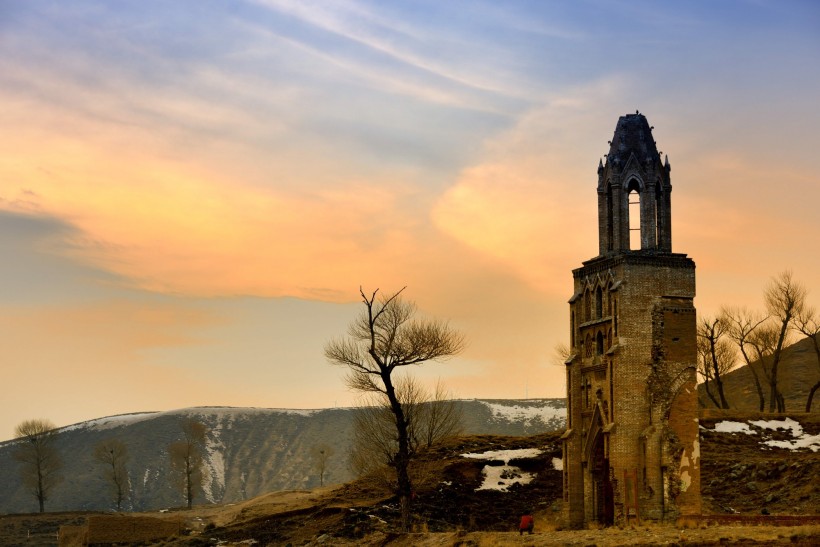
572 329
599 302
610 221
587 306
588 346
599 343
634 199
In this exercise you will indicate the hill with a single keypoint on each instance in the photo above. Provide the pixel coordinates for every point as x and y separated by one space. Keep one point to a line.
250 451
798 372
472 489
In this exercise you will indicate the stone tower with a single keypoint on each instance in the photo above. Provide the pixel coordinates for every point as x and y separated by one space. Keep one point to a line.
631 445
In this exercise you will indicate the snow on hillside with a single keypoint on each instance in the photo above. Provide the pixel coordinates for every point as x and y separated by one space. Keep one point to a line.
799 439
526 411
219 413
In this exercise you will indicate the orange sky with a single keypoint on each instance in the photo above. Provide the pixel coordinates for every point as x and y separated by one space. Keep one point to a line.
191 194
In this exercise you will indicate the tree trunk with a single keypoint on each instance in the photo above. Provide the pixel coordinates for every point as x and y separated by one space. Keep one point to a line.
775 401
404 488
41 497
189 487
817 385
761 399
723 403
709 393
811 395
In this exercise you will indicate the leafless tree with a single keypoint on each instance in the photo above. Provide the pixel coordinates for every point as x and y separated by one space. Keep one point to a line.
374 444
742 326
717 355
439 416
320 454
560 353
384 338
807 323
785 300
187 458
113 454
40 462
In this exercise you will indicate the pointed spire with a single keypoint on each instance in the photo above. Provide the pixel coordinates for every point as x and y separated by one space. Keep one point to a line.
666 164
632 136
600 165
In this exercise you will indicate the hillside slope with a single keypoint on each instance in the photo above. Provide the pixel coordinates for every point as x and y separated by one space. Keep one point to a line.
798 372
471 490
249 452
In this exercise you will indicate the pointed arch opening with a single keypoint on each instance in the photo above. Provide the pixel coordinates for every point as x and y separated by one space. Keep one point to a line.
599 302
633 195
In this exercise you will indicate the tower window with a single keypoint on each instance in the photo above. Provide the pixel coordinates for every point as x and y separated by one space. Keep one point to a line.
634 219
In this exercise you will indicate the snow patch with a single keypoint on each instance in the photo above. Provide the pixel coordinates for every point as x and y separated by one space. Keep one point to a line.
788 423
733 427
504 455
558 464
501 477
214 448
799 438
110 422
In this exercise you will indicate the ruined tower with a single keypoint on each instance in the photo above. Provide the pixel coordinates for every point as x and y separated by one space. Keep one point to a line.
631 445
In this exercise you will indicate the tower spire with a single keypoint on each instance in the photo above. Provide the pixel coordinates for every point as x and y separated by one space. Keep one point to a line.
633 167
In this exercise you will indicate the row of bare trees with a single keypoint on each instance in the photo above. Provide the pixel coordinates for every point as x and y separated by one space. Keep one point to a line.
41 465
759 339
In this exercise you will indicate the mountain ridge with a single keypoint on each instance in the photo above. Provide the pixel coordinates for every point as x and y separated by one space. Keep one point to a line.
249 451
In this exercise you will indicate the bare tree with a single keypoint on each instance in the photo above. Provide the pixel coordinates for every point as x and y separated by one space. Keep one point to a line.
717 355
375 443
785 300
386 337
742 325
187 458
440 416
320 454
113 454
40 463
807 323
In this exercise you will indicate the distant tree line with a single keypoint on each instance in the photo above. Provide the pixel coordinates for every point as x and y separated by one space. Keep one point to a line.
758 338
41 465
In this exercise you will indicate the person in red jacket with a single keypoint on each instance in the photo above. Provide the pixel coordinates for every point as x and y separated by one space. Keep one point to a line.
527 523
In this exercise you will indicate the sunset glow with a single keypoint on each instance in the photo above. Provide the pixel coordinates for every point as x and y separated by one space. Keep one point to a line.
192 193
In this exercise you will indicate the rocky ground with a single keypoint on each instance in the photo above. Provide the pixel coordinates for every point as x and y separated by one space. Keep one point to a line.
456 504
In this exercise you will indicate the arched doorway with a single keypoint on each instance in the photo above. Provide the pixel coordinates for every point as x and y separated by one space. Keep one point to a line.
602 491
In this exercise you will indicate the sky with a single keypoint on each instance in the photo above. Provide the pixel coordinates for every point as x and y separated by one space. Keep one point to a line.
192 192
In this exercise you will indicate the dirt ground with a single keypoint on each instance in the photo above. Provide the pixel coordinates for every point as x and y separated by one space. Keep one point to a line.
651 535
449 510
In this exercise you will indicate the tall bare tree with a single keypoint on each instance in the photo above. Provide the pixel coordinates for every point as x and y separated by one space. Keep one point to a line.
807 323
320 454
113 454
742 326
187 458
385 337
40 462
717 355
785 300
